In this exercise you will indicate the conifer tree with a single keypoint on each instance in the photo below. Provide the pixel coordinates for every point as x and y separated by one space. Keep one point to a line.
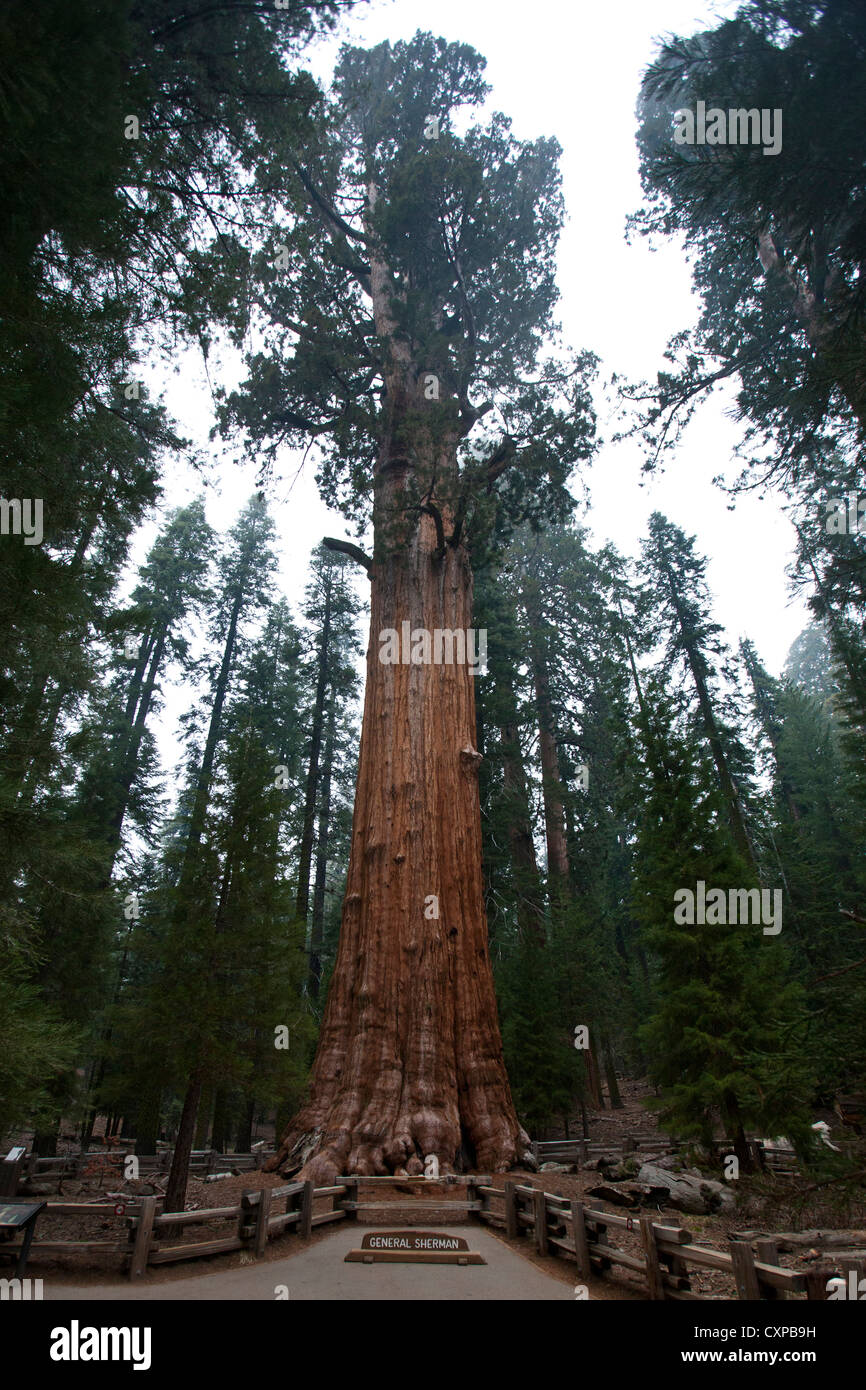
405 340
726 1041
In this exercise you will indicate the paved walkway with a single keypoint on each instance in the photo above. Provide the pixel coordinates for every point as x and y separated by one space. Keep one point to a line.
321 1273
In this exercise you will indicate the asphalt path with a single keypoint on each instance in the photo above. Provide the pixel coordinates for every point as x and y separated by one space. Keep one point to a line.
321 1273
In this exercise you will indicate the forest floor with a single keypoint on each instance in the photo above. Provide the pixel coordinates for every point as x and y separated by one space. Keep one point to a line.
765 1202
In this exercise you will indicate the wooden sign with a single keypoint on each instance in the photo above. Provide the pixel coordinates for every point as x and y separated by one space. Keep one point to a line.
415 1247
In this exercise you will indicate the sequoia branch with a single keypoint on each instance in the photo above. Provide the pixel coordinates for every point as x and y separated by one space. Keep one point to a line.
347 548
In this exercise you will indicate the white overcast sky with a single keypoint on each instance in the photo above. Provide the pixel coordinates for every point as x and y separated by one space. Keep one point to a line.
570 69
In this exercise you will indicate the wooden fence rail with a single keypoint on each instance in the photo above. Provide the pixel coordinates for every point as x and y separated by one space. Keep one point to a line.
201 1161
578 1232
256 1221
646 1146
557 1225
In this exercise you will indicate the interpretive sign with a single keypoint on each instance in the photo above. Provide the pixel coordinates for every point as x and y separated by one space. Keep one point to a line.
415 1247
20 1216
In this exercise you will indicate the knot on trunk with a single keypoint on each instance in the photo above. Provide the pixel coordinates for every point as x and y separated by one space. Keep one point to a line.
471 759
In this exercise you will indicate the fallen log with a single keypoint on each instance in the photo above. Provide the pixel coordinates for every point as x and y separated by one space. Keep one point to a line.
792 1240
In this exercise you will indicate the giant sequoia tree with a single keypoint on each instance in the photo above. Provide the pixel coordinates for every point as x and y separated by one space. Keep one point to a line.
406 335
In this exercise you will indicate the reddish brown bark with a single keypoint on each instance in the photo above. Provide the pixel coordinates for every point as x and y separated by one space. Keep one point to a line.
409 1061
410 1058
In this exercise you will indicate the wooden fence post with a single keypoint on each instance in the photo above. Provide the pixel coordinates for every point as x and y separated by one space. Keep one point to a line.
244 1210
743 1262
511 1227
651 1255
581 1244
305 1225
260 1239
539 1211
816 1284
143 1238
767 1252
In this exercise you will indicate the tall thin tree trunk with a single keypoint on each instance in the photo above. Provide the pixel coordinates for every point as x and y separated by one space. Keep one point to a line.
610 1076
179 1174
175 1192
711 728
530 907
593 1078
205 1112
147 1118
317 928
219 1133
244 1140
554 813
305 852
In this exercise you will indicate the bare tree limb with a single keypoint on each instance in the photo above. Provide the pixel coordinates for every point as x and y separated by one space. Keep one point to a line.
347 548
816 979
330 213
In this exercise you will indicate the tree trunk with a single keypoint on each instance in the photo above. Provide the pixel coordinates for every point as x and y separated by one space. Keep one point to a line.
205 1111
593 1079
175 1192
554 813
147 1119
311 794
244 1140
530 907
409 1061
410 1058
728 787
317 928
610 1077
219 1133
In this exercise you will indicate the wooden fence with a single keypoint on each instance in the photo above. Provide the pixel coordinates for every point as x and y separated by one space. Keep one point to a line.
152 1234
779 1161
558 1226
253 1222
104 1164
580 1151
563 1227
